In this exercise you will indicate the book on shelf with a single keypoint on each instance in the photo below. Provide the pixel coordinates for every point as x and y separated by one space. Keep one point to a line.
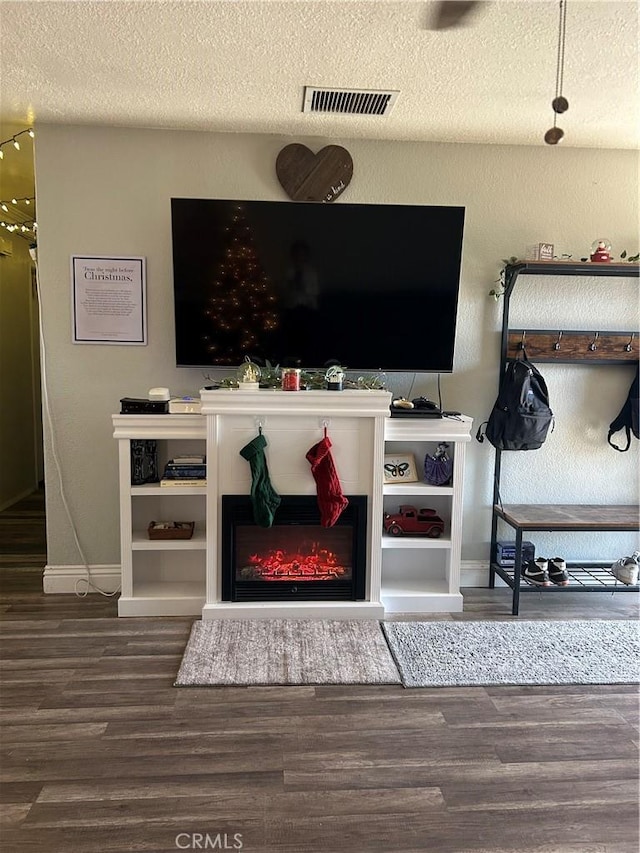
189 472
181 483
188 459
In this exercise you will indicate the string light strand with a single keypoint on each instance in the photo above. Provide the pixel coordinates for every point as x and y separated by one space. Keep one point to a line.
27 199
17 220
13 140
30 226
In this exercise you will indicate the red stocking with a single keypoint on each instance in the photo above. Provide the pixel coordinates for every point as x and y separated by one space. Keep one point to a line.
331 501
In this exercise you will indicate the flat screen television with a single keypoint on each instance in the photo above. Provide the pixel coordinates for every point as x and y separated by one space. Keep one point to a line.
371 287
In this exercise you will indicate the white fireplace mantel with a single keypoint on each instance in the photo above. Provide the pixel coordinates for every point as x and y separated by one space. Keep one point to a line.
404 573
292 422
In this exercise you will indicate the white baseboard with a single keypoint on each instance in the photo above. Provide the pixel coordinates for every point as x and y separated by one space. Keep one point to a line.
69 579
72 579
475 573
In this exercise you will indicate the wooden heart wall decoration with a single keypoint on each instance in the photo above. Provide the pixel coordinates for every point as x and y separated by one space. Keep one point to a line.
306 176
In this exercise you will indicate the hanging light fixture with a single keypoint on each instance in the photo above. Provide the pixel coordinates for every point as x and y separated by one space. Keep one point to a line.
560 104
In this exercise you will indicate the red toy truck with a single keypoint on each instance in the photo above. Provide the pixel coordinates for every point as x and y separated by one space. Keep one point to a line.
412 521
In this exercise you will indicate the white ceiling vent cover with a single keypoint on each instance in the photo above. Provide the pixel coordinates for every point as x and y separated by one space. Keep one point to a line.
361 102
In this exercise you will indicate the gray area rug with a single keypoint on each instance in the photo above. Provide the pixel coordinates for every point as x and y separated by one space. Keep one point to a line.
445 654
286 651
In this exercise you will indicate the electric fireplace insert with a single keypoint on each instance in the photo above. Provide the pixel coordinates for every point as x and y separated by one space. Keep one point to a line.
296 558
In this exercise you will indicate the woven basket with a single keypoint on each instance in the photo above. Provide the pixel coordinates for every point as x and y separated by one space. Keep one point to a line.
182 530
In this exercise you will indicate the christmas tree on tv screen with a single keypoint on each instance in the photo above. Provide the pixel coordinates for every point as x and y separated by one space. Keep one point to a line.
242 306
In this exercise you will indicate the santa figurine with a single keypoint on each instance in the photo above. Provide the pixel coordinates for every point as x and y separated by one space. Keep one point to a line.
601 251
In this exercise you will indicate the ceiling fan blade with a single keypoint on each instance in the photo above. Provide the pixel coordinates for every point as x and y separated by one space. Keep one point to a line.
453 13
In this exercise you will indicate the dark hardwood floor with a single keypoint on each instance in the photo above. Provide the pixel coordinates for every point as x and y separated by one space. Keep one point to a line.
99 752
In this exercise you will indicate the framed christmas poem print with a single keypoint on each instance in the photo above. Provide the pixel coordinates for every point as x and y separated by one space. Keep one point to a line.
108 300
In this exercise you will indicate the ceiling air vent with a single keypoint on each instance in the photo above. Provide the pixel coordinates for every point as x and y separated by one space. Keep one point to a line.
360 102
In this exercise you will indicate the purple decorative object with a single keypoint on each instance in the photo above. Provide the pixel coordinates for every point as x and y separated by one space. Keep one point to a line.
438 469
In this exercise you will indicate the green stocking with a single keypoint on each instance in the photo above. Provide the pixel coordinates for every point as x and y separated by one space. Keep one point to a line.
264 498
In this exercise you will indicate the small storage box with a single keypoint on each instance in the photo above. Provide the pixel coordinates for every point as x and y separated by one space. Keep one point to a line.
171 529
506 553
185 406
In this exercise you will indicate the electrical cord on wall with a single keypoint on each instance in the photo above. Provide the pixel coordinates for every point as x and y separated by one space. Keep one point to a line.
90 585
413 382
454 416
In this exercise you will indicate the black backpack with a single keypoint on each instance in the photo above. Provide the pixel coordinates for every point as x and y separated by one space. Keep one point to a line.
521 417
628 417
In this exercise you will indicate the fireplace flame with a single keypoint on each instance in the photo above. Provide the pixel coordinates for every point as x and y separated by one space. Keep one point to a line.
280 565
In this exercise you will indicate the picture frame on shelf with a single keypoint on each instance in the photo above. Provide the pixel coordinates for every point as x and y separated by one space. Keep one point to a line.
399 468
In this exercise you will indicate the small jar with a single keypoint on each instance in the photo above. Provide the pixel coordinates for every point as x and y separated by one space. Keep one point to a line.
290 378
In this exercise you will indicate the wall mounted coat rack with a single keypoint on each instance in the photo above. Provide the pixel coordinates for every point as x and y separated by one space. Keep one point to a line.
574 346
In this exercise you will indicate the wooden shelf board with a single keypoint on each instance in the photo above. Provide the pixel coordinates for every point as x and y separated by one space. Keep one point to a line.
574 268
416 542
416 489
567 517
156 489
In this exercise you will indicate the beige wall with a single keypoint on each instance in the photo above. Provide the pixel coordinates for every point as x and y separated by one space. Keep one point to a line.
107 191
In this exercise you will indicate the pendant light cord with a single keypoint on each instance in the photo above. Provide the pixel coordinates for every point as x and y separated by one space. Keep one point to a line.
562 30
559 103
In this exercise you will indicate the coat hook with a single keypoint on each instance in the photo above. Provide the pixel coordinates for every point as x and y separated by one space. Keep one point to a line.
629 347
259 425
522 340
556 346
593 346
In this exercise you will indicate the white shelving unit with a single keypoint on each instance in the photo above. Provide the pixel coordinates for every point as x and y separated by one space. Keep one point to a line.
181 577
419 574
161 577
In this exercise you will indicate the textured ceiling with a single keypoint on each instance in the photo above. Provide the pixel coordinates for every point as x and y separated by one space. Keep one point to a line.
233 66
